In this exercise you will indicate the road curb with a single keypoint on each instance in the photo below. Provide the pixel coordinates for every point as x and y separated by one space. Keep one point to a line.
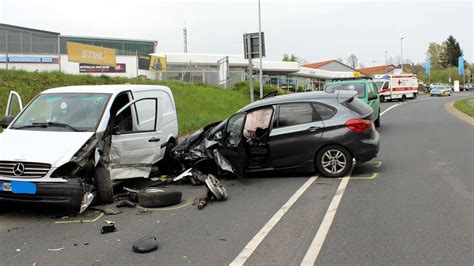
450 108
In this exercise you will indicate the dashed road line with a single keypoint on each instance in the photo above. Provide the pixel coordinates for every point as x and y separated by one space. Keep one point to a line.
258 238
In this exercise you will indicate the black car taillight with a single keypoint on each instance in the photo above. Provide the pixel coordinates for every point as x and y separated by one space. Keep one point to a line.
358 125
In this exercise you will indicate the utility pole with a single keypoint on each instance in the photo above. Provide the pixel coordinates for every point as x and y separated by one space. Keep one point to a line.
260 49
185 35
6 49
401 50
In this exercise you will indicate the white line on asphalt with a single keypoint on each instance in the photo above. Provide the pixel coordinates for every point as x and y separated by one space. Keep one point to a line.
258 238
391 107
315 247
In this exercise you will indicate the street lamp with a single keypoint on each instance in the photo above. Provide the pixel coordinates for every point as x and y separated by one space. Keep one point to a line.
260 49
401 50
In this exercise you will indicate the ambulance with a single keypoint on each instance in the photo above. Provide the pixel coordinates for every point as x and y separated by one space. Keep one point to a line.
397 86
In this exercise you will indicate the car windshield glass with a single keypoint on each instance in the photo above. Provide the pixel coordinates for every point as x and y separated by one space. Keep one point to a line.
379 84
63 111
349 87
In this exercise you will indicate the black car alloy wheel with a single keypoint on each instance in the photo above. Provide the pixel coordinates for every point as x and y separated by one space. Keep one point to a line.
334 161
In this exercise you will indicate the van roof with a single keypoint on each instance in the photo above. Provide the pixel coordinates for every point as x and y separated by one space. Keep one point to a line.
111 89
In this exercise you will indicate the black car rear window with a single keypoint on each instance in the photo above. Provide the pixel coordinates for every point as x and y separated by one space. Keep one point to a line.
358 106
292 114
325 112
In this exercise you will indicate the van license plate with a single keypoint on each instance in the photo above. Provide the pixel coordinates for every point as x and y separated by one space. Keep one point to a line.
6 187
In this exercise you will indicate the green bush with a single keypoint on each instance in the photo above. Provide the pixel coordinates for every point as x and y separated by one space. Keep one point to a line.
244 87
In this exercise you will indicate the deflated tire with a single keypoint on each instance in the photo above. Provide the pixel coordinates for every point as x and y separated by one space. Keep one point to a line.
157 197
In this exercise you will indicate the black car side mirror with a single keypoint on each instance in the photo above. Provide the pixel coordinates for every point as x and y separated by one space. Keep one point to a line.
6 121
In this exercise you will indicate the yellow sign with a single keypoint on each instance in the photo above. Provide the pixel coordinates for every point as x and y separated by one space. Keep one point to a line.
158 63
356 74
89 54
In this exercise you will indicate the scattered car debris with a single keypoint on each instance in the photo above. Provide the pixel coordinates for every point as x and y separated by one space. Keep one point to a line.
214 191
125 204
145 245
216 187
109 209
143 212
109 228
158 197
55 249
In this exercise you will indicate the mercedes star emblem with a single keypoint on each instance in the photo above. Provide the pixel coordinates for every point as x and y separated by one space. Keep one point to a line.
18 169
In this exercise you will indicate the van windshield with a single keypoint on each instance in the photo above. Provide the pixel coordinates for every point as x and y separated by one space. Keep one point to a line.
63 112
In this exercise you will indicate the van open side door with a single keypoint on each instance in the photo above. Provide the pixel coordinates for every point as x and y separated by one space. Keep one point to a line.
14 104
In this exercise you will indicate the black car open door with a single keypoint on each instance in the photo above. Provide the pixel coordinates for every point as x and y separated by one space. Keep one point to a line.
231 146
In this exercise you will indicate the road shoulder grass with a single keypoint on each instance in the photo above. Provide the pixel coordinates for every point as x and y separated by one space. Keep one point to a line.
466 106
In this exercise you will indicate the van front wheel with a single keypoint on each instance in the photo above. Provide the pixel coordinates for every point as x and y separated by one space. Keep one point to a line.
103 185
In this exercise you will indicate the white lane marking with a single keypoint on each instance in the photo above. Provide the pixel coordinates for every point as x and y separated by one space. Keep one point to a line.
313 251
391 107
318 241
258 238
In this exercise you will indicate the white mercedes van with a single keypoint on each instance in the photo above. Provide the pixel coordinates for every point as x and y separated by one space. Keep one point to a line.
71 144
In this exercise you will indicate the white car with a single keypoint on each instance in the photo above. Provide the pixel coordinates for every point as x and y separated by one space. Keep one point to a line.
71 144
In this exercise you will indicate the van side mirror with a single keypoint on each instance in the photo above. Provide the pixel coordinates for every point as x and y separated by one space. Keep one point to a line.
6 121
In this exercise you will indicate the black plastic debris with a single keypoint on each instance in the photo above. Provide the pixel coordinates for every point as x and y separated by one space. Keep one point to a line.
145 245
109 228
125 204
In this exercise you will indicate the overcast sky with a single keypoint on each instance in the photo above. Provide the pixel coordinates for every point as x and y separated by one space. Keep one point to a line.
313 30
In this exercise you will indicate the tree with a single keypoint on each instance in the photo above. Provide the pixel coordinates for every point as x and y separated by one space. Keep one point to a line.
353 61
450 52
293 58
434 52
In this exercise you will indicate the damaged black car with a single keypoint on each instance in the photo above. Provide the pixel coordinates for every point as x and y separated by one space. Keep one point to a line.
307 132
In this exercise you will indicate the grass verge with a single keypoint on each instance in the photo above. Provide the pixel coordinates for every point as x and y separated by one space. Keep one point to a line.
196 104
463 106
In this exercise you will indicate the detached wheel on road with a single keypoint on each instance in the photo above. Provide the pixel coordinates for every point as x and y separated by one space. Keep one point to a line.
103 185
158 197
333 161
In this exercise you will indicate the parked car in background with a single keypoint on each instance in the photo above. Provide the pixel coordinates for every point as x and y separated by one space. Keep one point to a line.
71 143
297 132
441 90
366 91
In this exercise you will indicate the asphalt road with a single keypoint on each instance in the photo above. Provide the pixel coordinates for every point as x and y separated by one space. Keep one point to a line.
411 205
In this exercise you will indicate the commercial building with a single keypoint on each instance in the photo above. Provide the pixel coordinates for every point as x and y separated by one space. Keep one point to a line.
39 50
28 49
225 70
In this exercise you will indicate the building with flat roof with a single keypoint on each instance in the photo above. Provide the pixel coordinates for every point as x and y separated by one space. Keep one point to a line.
228 69
121 46
39 50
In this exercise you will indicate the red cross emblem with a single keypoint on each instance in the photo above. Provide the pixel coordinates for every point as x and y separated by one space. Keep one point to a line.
399 82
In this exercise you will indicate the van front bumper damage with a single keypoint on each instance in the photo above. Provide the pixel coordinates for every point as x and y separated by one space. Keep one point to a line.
75 195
